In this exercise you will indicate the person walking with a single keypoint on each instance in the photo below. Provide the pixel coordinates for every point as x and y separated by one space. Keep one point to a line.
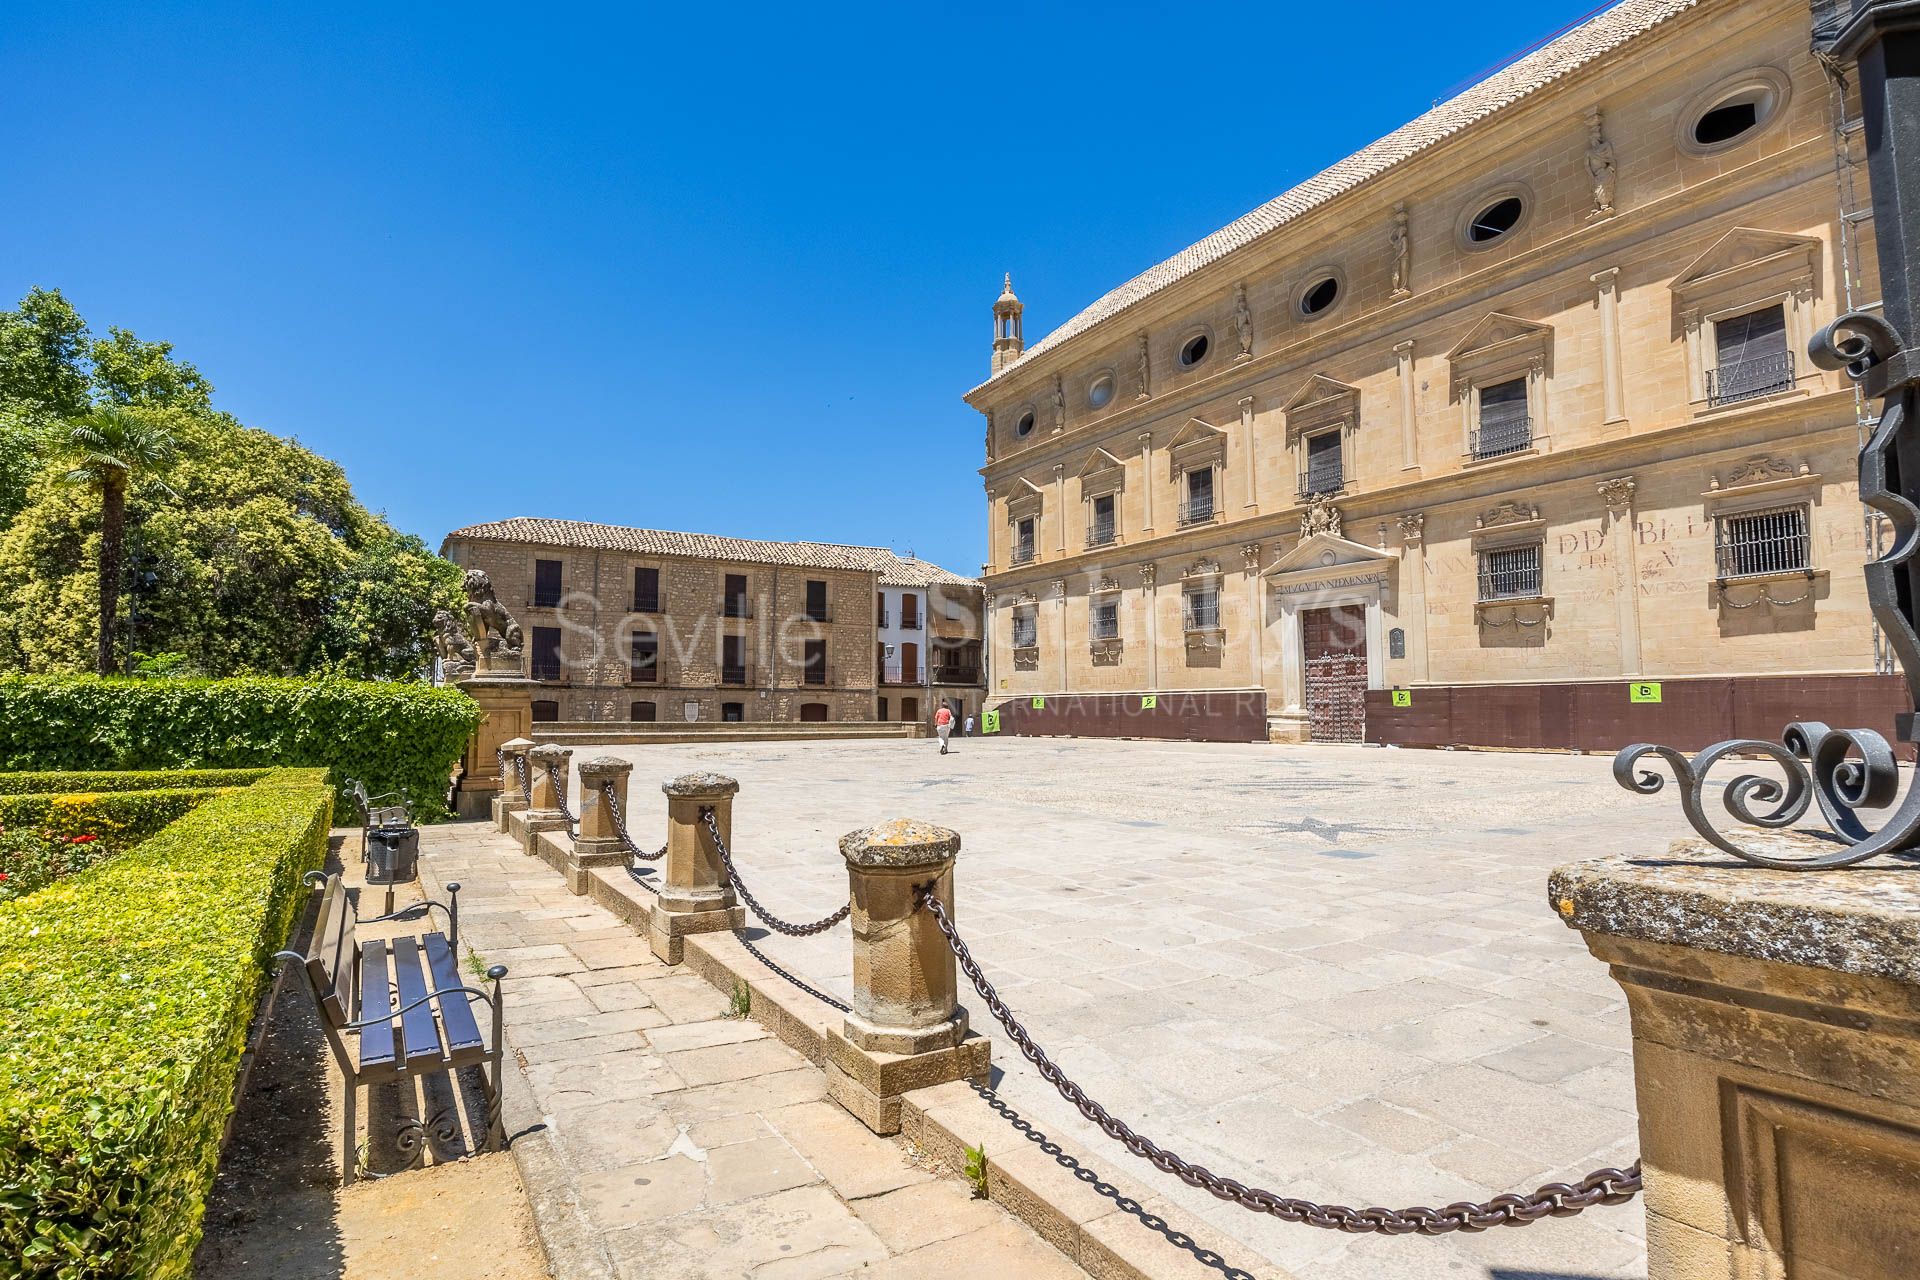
966 730
943 725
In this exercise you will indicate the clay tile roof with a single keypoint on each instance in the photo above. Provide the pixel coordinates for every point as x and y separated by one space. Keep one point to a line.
1560 57
893 570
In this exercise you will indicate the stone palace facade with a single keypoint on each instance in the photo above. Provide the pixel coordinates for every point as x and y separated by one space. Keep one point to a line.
1516 398
645 625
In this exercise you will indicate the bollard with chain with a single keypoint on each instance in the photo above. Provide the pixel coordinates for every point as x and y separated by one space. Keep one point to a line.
547 767
513 768
603 792
695 896
906 1029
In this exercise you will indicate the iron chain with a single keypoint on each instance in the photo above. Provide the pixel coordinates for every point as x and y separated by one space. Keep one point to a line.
1555 1199
620 827
520 772
772 921
560 794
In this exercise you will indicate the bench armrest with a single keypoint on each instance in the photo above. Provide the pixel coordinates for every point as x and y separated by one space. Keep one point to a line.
472 993
419 910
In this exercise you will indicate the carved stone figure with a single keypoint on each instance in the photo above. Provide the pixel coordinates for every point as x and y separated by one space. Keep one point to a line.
1600 165
1398 240
989 435
1059 403
450 643
1321 516
1146 370
1507 513
1243 320
495 635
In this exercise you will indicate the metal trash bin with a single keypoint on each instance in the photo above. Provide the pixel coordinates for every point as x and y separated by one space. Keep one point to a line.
393 855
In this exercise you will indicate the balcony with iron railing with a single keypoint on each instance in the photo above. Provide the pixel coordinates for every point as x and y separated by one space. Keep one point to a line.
1022 555
1322 478
732 674
816 675
547 669
1197 511
738 607
820 614
894 673
646 604
910 622
1101 534
1498 437
644 673
1750 379
951 674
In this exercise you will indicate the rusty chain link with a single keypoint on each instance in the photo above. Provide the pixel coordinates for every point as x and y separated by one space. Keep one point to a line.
772 921
620 827
1555 1199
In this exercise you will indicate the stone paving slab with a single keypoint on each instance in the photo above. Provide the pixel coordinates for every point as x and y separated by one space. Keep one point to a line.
1330 971
695 1145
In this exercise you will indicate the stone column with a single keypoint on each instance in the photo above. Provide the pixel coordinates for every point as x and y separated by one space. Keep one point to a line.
598 844
1060 617
695 896
543 802
512 798
1776 1046
1612 386
1413 582
1146 480
1060 507
1617 493
1150 601
1409 416
1249 455
1256 609
907 1029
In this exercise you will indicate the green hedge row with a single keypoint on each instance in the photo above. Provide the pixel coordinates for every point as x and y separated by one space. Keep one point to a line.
125 998
404 737
120 818
126 780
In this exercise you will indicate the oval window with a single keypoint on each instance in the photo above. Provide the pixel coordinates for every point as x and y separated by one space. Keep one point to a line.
1100 394
1025 426
1195 351
1732 111
1726 123
1320 297
1495 220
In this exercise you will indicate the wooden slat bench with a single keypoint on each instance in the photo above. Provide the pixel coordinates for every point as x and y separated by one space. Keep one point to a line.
396 1009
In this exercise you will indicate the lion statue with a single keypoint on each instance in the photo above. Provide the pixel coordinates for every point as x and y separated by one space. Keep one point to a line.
489 625
451 644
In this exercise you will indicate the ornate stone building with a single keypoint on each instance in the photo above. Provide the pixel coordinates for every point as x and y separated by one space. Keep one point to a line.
644 625
1504 412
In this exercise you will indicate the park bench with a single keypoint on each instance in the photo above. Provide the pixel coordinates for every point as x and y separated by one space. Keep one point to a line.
389 842
395 1010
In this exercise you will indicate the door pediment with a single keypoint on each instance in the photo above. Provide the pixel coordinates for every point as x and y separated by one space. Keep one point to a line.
1327 556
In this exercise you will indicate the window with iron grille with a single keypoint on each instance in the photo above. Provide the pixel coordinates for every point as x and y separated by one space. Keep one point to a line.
733 599
1026 629
1763 542
1751 356
646 658
816 600
643 712
813 662
1105 618
1510 573
1198 507
1504 426
1324 472
1203 609
1100 529
646 591
1023 540
545 658
546 584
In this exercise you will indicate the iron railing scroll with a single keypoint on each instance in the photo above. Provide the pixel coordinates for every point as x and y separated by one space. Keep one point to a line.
1848 770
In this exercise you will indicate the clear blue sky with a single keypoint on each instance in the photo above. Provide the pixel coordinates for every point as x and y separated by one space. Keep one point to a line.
552 260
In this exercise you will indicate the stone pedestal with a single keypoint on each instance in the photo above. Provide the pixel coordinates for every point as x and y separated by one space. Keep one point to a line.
507 700
512 797
597 844
694 894
1776 1045
907 1029
547 766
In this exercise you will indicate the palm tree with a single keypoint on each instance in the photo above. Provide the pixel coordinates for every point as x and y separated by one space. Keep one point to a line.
106 451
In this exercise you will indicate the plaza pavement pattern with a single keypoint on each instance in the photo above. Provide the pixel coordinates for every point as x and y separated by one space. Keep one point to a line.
1328 971
676 1141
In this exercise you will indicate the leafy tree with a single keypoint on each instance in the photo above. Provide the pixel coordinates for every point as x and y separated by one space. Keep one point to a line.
129 371
106 451
43 350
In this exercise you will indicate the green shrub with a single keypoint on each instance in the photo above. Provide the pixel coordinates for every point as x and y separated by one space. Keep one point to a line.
30 859
125 997
120 818
127 780
403 737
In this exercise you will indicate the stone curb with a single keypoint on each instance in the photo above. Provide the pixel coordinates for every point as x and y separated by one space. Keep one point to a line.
567 1237
1107 1224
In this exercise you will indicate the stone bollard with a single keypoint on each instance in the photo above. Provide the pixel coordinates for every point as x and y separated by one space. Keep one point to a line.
694 894
907 1029
597 844
1776 1054
512 797
543 801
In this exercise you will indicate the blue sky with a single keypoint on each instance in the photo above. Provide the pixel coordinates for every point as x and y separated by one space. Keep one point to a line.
583 261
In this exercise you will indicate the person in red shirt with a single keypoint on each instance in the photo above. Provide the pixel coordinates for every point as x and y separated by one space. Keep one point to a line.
943 725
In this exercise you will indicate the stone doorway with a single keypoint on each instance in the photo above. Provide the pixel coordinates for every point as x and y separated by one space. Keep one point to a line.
1333 643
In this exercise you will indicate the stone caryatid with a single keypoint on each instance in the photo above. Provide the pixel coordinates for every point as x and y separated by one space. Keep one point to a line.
495 636
451 645
906 1028
1146 368
1600 166
1242 320
1400 242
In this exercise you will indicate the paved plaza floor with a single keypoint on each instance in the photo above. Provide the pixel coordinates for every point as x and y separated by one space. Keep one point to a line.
1328 971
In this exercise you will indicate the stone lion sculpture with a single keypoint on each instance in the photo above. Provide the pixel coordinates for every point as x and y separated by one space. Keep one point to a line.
451 643
489 626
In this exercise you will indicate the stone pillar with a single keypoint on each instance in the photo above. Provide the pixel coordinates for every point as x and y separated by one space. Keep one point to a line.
1249 456
1613 388
598 844
695 896
1146 480
512 799
907 1029
543 802
1409 407
1776 1049
506 701
1150 602
1617 494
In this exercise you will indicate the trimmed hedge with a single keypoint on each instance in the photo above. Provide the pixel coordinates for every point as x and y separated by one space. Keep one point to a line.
125 997
126 780
403 737
119 817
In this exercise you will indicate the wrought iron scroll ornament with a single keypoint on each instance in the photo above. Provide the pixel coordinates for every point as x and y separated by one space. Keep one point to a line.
1846 770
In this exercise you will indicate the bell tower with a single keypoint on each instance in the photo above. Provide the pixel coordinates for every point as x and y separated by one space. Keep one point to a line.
1007 344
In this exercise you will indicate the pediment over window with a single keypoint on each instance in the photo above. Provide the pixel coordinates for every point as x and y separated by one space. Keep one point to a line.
1747 253
1497 332
1499 346
1198 442
1326 557
1099 462
1321 402
1025 498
